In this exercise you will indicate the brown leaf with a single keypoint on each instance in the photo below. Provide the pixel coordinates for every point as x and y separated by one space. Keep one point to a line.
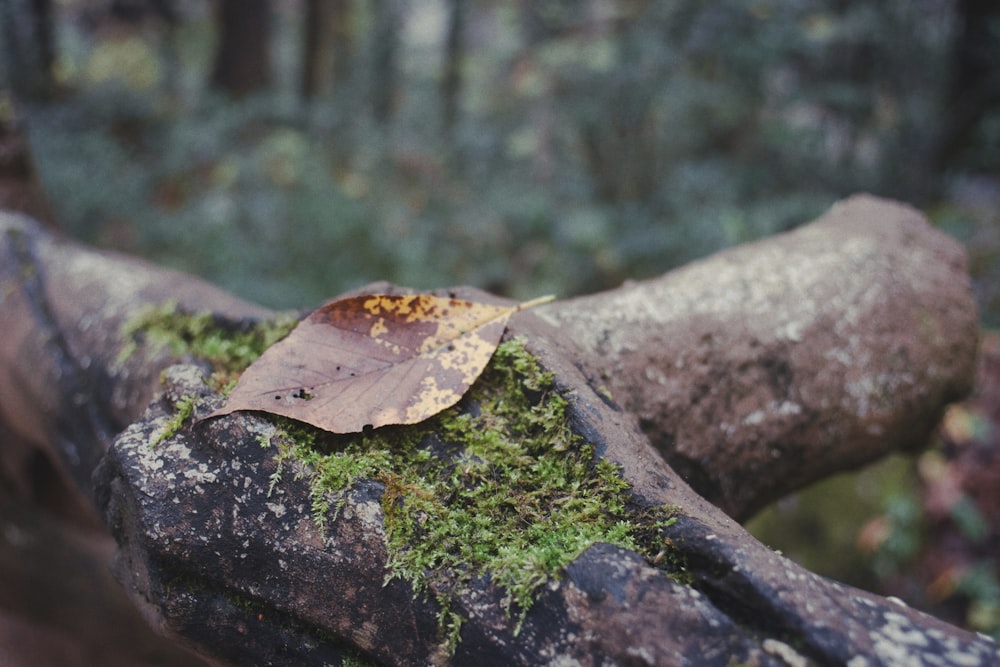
374 360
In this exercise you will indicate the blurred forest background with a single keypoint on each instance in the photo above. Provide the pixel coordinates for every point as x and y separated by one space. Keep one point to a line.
291 149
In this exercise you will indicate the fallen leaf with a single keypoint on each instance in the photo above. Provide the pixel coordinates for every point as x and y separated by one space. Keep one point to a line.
374 360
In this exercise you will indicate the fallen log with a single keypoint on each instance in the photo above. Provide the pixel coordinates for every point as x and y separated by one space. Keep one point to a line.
766 367
239 550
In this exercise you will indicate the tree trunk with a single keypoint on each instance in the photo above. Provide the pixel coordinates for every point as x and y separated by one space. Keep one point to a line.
757 370
451 83
385 47
20 189
975 80
326 54
43 37
26 27
311 46
243 57
764 361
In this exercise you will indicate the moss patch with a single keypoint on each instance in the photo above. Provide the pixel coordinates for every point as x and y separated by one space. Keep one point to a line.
229 347
182 411
497 486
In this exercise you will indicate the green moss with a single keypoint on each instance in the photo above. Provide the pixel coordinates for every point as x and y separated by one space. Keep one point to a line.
498 486
355 661
183 409
229 348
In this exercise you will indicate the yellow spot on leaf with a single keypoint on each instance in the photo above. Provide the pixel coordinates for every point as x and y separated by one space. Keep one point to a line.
378 328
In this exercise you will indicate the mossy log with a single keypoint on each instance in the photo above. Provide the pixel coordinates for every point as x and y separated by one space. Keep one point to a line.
752 373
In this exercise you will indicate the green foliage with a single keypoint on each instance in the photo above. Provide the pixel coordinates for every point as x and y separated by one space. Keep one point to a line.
813 526
503 489
355 661
904 533
590 147
979 584
972 216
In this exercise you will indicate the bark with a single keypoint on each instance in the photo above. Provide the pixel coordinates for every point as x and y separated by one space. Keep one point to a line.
766 367
62 390
863 320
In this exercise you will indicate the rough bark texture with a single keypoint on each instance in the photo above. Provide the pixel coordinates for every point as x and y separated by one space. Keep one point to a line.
62 398
63 389
764 368
246 576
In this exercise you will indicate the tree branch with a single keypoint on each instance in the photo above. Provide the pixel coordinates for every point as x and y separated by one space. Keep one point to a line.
761 369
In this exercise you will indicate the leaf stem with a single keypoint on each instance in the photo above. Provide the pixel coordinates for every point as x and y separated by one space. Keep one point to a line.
537 301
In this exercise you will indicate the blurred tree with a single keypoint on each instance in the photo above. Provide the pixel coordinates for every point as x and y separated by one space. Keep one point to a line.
20 189
542 20
387 24
451 82
327 45
243 58
598 139
135 11
161 20
618 139
974 86
26 27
